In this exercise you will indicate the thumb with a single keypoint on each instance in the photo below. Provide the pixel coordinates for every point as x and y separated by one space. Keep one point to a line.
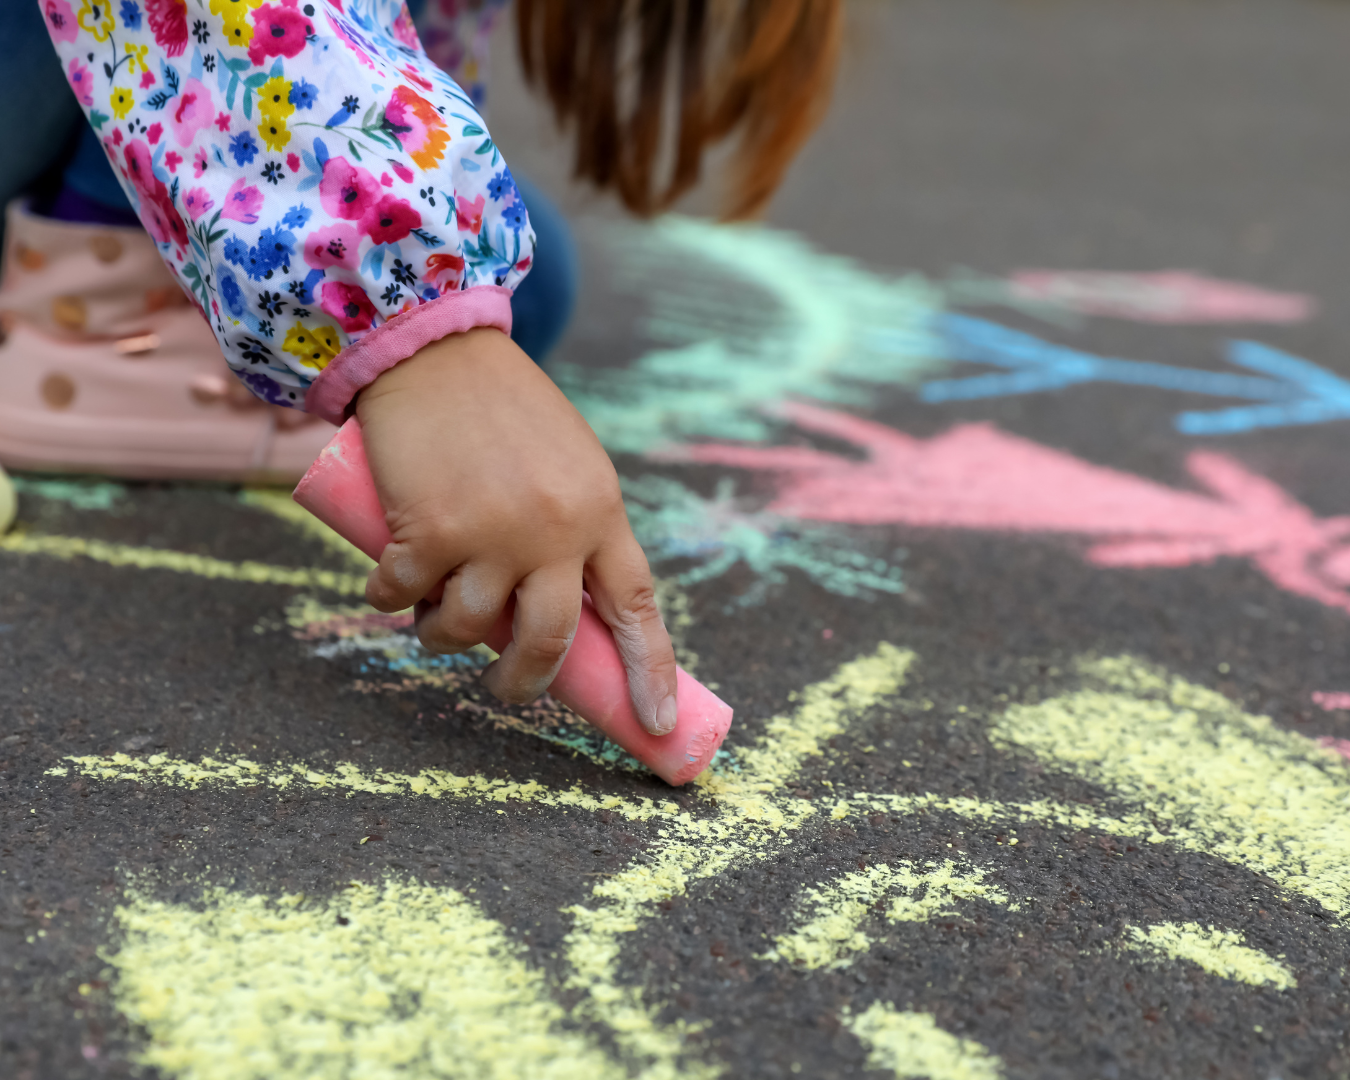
620 584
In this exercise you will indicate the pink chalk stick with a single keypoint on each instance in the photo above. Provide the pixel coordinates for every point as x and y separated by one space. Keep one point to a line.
592 682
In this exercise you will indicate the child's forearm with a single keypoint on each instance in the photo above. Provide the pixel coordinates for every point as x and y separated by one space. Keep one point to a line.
309 176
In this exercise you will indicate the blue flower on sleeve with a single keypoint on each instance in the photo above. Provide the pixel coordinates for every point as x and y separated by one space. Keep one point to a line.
236 251
514 215
230 292
296 217
303 94
502 185
131 15
243 148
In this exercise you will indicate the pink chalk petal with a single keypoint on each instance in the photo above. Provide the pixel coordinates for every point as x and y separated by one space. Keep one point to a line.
977 477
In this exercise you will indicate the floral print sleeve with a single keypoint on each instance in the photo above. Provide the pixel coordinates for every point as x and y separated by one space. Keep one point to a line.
330 198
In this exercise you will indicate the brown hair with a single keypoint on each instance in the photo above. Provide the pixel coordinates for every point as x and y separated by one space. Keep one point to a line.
760 69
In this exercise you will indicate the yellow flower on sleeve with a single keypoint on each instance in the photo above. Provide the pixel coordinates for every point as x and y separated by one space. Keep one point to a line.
96 17
313 348
234 13
274 100
136 54
122 102
275 134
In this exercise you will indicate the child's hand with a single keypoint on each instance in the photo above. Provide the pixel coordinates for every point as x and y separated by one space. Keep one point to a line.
487 472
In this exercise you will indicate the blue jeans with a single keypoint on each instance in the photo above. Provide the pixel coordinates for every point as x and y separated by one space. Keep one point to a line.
51 153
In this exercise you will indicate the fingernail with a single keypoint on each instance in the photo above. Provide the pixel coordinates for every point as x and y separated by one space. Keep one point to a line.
666 715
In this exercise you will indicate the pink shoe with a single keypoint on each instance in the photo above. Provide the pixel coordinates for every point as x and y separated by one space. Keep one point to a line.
106 367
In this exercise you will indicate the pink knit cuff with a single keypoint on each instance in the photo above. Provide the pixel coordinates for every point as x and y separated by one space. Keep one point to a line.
360 364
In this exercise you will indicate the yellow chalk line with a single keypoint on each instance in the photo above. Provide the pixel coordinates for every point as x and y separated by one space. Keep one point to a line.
1220 952
349 780
910 1044
830 917
1218 780
68 548
754 816
376 981
279 504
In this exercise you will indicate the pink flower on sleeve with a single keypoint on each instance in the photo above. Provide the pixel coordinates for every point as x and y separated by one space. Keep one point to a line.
61 21
168 22
279 30
469 215
191 111
81 82
242 203
197 202
391 220
147 79
347 191
348 304
333 245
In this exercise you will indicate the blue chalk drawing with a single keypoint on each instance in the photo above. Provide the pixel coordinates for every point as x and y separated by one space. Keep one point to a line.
1294 391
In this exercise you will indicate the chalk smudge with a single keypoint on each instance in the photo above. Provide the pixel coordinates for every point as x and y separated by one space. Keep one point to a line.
1219 952
977 477
375 980
78 494
751 315
911 1045
672 522
1175 297
830 918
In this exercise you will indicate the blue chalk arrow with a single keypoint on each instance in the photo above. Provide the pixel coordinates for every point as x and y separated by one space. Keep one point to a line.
1296 391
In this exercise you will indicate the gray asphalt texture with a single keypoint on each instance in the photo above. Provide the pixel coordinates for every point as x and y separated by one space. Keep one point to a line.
990 135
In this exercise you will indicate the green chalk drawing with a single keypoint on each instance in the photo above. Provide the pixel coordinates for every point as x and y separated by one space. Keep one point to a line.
749 316
80 494
672 522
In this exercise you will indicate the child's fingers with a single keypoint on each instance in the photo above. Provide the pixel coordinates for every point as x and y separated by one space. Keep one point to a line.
408 571
620 583
469 607
548 605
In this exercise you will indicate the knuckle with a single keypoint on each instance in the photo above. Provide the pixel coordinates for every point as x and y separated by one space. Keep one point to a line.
441 638
543 650
638 604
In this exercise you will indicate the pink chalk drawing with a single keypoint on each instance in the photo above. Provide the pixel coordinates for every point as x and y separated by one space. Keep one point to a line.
977 477
1331 699
1337 746
1170 296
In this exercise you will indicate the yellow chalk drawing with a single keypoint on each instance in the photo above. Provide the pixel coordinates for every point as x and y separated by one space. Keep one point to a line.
68 548
751 814
387 980
831 917
1214 778
278 502
1220 952
348 779
992 811
910 1044
754 812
